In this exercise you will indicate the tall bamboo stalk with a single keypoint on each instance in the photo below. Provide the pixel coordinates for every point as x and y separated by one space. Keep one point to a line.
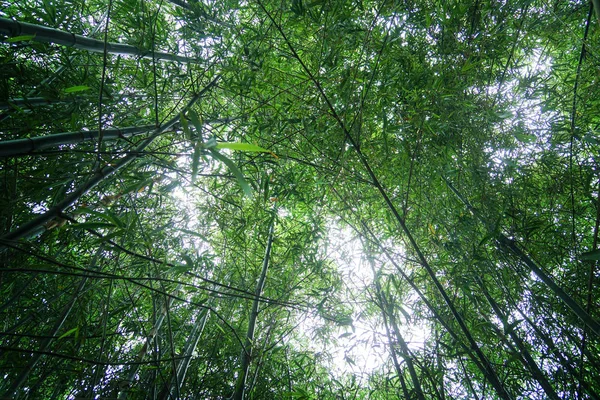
176 382
46 82
36 357
478 358
527 359
246 356
15 147
404 350
39 33
134 369
31 102
387 312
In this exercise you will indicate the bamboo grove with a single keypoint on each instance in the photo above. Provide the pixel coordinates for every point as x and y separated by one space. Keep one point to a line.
320 199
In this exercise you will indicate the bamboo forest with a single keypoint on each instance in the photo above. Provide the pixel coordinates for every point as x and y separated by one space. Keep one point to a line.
305 199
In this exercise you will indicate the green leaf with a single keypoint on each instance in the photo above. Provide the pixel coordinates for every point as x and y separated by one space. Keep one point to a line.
108 216
511 327
137 186
196 159
591 255
591 139
188 260
235 170
220 328
504 114
189 232
91 225
525 138
180 269
74 89
241 147
344 320
184 125
68 333
20 38
197 123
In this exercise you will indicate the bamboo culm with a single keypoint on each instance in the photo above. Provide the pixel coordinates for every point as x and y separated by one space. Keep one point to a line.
43 34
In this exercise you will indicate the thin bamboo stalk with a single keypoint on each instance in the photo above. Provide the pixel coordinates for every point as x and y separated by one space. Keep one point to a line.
176 382
134 369
387 312
405 352
46 82
36 357
527 359
475 358
246 356
31 102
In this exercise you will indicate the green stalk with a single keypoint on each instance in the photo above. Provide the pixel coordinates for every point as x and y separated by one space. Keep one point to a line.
246 356
44 34
527 359
134 369
405 352
9 148
31 102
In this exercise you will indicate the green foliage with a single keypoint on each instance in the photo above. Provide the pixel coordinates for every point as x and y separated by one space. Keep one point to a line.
477 122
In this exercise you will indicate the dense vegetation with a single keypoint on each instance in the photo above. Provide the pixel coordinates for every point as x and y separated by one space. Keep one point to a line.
302 199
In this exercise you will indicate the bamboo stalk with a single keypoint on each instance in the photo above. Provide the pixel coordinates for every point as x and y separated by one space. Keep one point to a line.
30 102
176 383
527 359
15 147
44 34
240 386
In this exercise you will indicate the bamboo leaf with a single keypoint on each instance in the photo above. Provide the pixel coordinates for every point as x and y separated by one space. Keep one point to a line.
241 147
180 269
74 89
91 225
196 122
20 38
196 159
68 333
344 320
184 125
235 170
108 216
196 234
525 138
188 261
